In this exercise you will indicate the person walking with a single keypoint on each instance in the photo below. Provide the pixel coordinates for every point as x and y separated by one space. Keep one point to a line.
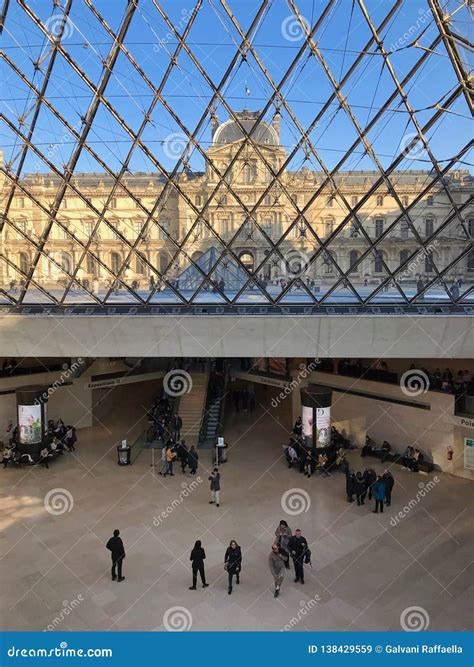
71 438
360 487
193 459
215 479
183 455
276 563
233 563
197 558
350 485
283 534
379 494
115 546
389 482
298 547
169 461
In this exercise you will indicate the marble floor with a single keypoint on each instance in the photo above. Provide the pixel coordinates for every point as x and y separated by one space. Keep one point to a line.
369 572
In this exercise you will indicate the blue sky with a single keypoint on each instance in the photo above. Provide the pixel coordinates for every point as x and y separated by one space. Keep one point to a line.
213 41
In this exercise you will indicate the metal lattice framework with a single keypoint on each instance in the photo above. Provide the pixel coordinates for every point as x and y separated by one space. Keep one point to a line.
91 102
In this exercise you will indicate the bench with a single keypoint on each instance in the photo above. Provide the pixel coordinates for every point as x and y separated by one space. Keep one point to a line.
393 457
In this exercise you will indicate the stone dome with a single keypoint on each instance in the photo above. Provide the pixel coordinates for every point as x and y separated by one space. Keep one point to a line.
262 133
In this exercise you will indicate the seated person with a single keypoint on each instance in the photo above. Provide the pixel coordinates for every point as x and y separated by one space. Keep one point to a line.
340 456
291 455
385 451
308 465
322 463
368 446
7 456
417 459
407 458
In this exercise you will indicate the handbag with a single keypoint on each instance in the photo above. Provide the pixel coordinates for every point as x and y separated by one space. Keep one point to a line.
226 566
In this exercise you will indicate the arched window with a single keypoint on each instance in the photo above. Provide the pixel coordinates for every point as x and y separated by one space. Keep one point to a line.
91 265
378 263
404 254
163 261
248 174
247 260
66 262
327 263
353 258
115 261
24 262
429 264
470 261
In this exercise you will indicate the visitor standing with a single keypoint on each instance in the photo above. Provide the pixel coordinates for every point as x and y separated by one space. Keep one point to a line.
360 486
197 558
379 494
298 547
215 479
233 563
389 482
115 546
193 458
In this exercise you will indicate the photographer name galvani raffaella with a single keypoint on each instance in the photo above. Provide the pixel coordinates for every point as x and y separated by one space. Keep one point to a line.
423 648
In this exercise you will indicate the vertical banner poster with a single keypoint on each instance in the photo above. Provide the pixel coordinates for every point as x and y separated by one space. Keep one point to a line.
469 453
323 427
30 425
307 418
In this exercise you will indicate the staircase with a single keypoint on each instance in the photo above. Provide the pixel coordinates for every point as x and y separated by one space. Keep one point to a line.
191 408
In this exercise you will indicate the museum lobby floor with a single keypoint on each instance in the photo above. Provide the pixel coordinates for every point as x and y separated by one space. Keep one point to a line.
367 571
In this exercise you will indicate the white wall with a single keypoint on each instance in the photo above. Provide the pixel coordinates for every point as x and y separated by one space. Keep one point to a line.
369 336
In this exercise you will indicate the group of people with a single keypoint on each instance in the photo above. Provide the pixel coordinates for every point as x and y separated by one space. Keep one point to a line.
309 461
286 546
378 487
411 458
60 437
244 398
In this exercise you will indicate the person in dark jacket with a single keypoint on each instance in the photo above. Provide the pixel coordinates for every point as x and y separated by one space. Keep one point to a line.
379 494
233 563
298 427
389 482
215 479
298 547
176 425
417 459
70 438
350 485
368 446
360 488
276 563
115 546
182 452
370 476
193 458
197 558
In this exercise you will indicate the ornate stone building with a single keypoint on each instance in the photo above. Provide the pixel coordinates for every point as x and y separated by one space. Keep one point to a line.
247 216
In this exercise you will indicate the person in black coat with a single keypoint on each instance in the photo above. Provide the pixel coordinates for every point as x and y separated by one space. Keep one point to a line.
193 458
233 563
176 425
197 558
298 547
417 459
350 486
115 546
360 488
389 482
182 452
370 476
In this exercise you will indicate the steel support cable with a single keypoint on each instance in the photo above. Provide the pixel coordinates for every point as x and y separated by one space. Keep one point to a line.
406 102
38 108
304 135
137 141
90 115
360 132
